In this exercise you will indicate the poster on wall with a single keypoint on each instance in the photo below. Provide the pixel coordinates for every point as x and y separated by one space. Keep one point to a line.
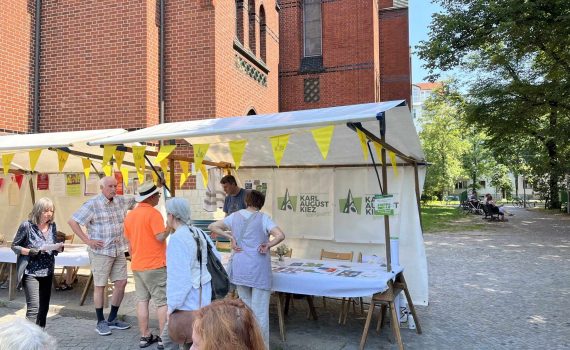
43 182
57 185
91 185
258 185
385 205
73 184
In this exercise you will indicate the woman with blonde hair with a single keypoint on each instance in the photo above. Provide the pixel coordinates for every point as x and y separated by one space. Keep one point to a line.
36 246
227 324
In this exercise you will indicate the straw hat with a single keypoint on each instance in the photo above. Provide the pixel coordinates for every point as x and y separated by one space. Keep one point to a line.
146 190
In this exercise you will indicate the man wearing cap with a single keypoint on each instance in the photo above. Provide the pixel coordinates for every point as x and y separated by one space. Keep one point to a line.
146 234
103 216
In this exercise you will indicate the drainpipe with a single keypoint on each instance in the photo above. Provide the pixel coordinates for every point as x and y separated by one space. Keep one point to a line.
161 65
36 126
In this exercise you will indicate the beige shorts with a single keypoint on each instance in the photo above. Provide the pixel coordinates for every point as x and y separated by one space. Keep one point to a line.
106 268
151 284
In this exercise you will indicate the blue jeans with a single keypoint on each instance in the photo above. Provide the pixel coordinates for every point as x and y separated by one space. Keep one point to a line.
38 294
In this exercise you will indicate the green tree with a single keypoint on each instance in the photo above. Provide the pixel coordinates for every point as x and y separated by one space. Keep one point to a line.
478 160
501 181
517 52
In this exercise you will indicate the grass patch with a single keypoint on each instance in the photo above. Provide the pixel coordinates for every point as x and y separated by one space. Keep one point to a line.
450 219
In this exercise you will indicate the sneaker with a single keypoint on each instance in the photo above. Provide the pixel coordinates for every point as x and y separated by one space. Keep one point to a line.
116 324
160 345
103 328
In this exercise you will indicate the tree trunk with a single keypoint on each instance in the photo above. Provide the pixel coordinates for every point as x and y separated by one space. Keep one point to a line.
553 175
517 185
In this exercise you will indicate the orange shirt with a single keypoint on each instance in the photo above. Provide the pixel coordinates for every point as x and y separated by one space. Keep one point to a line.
142 224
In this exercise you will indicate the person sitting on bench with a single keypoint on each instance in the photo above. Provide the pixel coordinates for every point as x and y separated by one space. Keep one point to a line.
493 208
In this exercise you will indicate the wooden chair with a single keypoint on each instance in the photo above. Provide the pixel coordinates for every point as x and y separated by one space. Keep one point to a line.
224 246
59 277
329 255
369 259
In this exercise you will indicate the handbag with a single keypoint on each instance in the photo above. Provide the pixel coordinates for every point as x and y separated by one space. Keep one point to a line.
220 280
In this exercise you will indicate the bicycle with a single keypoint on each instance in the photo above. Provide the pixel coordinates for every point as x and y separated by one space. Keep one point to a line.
516 202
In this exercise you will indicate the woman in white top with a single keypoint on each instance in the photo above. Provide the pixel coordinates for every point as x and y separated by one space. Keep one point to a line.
251 263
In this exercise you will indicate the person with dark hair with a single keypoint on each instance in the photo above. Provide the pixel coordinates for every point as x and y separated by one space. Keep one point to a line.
235 195
36 246
226 324
250 265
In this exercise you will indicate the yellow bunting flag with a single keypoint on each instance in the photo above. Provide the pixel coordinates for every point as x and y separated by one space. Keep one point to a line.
138 156
362 139
164 167
185 166
108 151
86 167
393 161
200 153
164 151
6 161
34 156
119 156
279 144
154 177
323 137
378 151
62 159
237 148
125 173
108 169
204 172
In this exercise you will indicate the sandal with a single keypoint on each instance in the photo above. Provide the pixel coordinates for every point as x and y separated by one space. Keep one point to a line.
63 287
147 341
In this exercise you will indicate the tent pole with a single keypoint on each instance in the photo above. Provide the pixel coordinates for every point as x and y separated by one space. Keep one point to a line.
386 217
172 178
418 197
375 165
32 192
160 177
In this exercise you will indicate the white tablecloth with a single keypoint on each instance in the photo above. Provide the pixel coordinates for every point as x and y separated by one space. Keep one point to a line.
75 255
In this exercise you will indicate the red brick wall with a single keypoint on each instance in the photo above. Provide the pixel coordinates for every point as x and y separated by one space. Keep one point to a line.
349 54
17 20
237 92
395 71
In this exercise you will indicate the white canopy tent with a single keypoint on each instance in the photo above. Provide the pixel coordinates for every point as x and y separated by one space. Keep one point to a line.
302 163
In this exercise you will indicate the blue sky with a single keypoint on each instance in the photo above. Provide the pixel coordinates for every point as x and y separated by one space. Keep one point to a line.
420 18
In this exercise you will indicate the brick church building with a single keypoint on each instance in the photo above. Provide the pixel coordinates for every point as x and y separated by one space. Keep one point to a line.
107 63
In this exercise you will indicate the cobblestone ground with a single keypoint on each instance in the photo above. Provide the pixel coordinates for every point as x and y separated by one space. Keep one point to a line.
504 287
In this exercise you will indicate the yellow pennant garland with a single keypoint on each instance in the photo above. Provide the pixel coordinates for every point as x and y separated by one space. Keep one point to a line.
86 167
164 151
138 156
237 148
119 156
323 137
279 144
362 139
125 173
165 172
108 151
154 177
378 148
204 172
393 161
6 161
200 153
107 169
34 156
62 159
185 166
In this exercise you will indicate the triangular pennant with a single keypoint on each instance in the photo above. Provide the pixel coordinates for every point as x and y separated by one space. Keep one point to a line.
62 159
86 167
323 137
34 156
140 176
237 148
164 151
165 172
19 178
125 173
204 172
108 151
138 156
279 144
6 162
393 161
200 153
378 148
185 166
119 156
154 177
362 139
108 169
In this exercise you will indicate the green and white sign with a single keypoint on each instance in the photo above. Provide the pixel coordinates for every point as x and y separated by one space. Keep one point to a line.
385 205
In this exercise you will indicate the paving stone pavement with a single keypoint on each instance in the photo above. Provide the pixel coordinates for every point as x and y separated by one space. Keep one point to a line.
503 287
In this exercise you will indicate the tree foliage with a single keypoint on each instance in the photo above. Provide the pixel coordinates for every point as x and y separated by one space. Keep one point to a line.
519 86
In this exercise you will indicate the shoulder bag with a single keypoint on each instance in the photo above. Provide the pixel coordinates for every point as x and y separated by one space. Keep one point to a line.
220 280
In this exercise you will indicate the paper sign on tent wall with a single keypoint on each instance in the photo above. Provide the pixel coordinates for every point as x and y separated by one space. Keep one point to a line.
237 148
42 182
278 145
323 137
34 156
62 159
6 162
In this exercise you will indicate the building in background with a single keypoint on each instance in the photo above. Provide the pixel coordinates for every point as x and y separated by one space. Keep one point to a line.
420 93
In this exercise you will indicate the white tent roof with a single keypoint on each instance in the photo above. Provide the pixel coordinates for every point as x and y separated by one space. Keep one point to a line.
301 149
20 144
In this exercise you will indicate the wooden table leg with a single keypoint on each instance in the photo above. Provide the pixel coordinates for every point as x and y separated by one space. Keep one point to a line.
12 282
312 310
86 289
395 321
367 325
280 297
